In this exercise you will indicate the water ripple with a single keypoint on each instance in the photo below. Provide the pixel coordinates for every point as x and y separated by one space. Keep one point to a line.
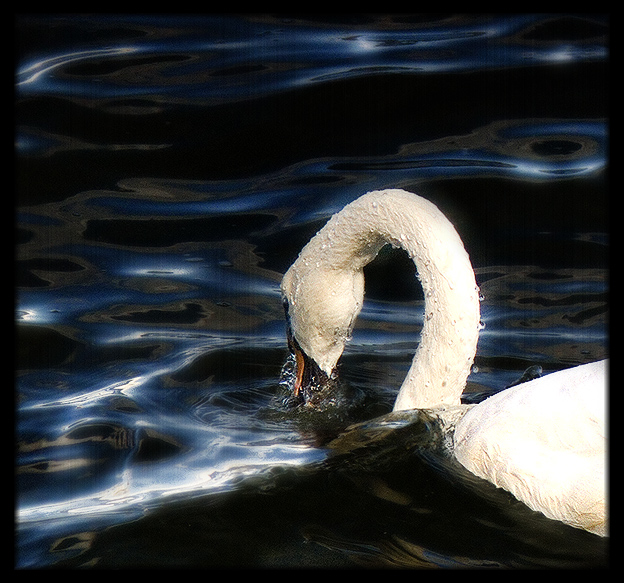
169 170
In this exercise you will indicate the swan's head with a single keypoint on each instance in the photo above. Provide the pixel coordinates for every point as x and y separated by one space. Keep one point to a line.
323 293
321 306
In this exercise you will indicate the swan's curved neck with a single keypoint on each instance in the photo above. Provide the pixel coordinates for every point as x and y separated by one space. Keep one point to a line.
325 287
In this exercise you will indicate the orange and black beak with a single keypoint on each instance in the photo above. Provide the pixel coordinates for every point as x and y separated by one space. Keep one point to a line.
309 378
300 361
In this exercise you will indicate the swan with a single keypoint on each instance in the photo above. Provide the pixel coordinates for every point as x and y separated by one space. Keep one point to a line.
543 440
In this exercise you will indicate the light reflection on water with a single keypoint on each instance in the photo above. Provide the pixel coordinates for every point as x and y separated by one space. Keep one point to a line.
170 170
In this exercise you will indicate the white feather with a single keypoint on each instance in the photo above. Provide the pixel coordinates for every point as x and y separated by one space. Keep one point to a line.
544 441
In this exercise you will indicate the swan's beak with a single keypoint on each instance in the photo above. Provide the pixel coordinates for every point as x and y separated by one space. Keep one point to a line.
300 367
309 378
299 362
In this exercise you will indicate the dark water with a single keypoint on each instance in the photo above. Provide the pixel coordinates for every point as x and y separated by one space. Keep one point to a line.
169 170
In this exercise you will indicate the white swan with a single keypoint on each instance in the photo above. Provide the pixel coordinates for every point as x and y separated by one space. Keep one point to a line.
544 441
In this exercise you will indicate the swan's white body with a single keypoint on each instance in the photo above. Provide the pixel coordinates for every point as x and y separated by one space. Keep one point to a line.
544 441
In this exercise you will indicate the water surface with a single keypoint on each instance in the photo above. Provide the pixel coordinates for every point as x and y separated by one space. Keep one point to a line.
169 170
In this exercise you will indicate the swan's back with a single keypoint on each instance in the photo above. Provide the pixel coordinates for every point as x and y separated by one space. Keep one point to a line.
545 442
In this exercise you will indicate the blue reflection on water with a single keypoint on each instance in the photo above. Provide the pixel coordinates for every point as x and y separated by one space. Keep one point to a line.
233 48
153 332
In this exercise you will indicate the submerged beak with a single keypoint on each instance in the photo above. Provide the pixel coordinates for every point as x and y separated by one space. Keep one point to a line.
300 360
300 367
309 378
